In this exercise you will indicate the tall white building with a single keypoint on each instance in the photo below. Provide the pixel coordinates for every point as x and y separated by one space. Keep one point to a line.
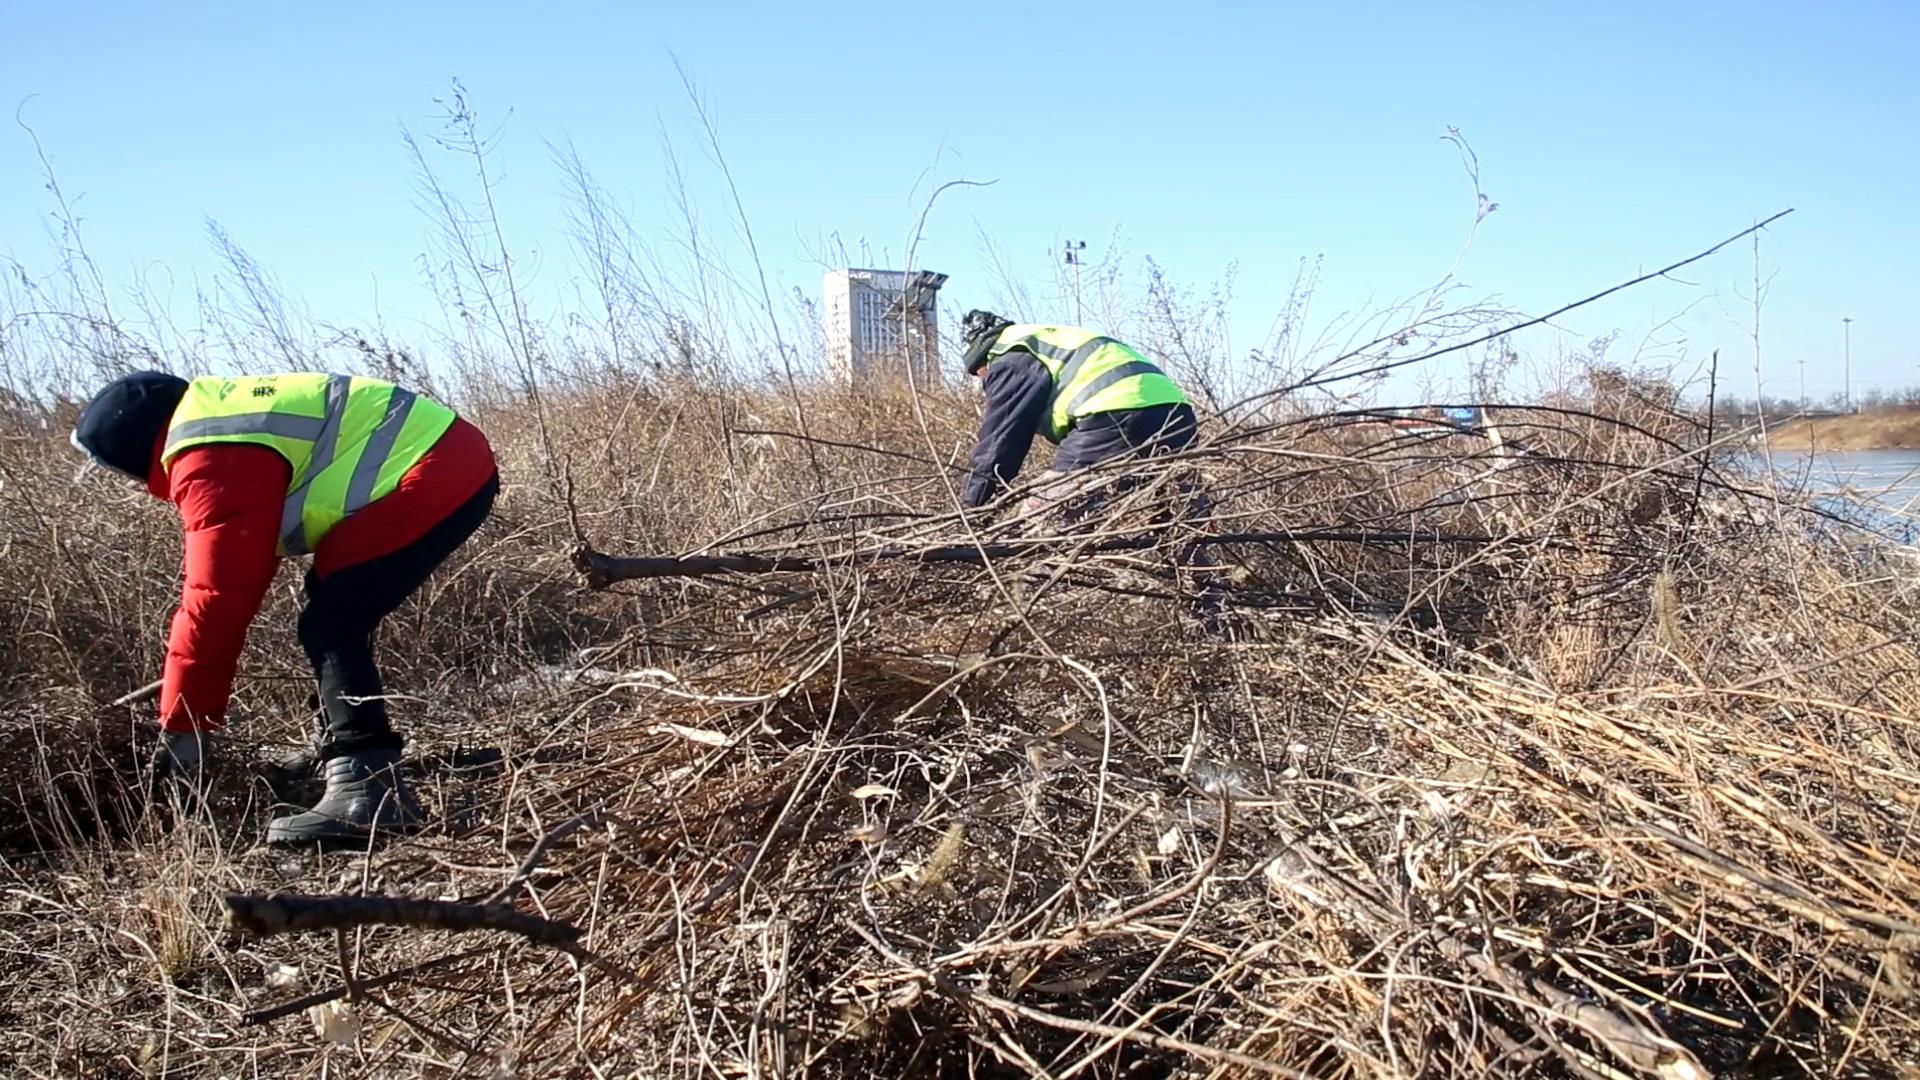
883 323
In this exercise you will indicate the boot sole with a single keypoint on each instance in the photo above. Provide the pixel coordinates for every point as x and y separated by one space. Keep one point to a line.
343 833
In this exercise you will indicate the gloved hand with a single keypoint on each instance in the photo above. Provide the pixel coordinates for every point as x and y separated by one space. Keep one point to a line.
179 763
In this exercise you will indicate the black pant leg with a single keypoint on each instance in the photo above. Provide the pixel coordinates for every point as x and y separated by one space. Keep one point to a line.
1159 429
343 613
336 630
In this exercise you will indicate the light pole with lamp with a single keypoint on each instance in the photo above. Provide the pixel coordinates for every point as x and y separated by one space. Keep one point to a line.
1075 252
1846 330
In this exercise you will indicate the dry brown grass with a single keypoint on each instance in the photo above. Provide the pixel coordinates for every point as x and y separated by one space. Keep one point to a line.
1889 429
1629 760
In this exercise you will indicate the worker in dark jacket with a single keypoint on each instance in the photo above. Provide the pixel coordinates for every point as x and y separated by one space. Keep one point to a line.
378 484
1095 398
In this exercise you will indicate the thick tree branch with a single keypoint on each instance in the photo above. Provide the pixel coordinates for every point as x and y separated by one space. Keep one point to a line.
280 913
602 570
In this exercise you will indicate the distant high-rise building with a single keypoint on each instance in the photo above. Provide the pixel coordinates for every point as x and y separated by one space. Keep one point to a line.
883 323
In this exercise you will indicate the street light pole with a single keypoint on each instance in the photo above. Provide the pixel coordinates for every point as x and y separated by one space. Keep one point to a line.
1846 330
1073 250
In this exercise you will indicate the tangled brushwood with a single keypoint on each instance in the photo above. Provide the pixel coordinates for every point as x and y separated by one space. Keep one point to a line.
1330 748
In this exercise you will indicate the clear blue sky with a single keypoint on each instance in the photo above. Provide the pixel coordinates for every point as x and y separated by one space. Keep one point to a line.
1614 137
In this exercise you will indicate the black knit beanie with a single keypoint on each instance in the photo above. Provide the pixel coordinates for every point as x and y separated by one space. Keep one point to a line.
122 422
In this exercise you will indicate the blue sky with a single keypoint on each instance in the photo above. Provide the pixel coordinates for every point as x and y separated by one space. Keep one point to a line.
1615 138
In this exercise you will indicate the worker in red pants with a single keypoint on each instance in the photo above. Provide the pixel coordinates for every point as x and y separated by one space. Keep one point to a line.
378 484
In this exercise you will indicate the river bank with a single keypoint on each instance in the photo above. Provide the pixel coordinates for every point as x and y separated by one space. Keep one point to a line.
1895 429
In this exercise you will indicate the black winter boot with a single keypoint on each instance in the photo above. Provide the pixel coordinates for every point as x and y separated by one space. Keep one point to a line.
365 794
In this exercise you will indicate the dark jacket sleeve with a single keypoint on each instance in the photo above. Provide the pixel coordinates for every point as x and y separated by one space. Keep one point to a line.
1017 387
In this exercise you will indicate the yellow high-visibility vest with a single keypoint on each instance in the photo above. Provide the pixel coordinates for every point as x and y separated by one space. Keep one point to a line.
348 439
1091 373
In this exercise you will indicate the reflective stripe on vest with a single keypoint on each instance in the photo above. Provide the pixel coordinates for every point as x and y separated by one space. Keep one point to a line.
1085 366
348 440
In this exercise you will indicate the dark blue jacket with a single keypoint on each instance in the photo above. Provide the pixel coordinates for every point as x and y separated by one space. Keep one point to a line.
1017 388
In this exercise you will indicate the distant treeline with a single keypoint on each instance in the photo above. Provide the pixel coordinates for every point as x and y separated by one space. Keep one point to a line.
1871 400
